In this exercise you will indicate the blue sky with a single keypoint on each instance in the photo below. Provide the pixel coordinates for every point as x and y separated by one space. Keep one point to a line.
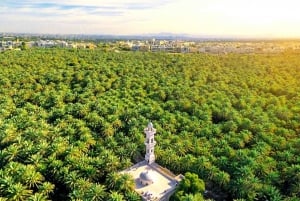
241 18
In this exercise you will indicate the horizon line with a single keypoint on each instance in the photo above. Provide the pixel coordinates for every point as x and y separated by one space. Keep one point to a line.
162 34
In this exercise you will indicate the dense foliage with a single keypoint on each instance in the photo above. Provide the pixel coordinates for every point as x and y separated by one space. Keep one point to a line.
71 119
190 188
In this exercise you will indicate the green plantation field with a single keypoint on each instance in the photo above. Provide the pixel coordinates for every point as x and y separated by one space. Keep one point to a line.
71 119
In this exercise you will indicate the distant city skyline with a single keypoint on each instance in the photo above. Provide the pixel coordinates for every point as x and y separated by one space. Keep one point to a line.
230 18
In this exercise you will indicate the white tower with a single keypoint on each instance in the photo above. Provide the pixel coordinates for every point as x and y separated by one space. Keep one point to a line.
150 143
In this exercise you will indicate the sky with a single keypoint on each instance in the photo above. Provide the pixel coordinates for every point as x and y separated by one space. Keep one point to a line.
224 18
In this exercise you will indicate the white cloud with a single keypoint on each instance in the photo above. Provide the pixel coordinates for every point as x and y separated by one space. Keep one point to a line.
217 17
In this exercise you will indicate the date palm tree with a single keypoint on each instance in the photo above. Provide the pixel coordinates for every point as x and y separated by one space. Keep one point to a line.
112 180
132 196
115 196
187 197
38 197
97 192
81 189
72 178
113 162
222 178
9 134
126 183
11 153
271 193
131 148
31 177
5 182
46 188
18 192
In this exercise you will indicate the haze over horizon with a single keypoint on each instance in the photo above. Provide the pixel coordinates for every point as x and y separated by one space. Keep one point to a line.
231 18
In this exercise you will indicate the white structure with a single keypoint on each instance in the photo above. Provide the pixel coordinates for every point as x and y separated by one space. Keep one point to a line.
146 178
150 143
152 182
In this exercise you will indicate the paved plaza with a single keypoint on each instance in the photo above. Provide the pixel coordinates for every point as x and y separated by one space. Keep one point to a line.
164 183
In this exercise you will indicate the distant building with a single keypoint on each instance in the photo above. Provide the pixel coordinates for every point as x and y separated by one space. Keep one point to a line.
152 182
142 48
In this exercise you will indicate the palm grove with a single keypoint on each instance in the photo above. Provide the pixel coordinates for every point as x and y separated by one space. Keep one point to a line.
71 119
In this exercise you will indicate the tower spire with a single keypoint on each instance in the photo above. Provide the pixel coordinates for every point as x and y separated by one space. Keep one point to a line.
150 143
